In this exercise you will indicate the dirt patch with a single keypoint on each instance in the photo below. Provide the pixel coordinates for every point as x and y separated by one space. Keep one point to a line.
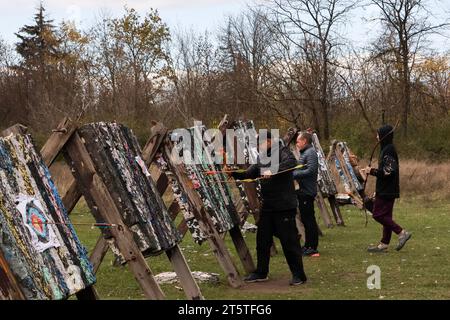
273 286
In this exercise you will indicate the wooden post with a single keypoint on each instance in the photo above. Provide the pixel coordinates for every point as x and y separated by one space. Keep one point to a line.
98 253
184 273
242 249
336 211
323 210
57 140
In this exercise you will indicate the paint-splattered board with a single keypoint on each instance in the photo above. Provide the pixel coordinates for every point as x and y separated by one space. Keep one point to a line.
325 180
36 236
213 191
117 158
246 135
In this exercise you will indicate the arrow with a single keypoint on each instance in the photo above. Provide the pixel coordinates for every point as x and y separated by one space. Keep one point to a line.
98 224
299 166
212 172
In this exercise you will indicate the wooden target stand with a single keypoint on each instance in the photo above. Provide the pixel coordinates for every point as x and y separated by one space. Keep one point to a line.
9 287
86 183
356 196
159 142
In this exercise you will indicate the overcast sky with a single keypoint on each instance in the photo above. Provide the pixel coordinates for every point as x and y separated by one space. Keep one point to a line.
197 14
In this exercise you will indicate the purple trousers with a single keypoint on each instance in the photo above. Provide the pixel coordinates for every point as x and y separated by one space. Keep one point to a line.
382 213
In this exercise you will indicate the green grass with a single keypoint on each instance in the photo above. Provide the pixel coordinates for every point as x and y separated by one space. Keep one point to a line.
419 271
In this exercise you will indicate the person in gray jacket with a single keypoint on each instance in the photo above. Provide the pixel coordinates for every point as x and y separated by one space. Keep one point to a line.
307 180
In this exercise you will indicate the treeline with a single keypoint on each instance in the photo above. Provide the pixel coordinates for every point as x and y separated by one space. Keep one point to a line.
283 64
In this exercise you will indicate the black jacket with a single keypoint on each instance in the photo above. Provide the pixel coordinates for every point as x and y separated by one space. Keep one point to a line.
277 192
388 172
307 176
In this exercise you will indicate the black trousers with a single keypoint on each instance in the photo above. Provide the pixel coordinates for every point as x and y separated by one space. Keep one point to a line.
282 225
307 214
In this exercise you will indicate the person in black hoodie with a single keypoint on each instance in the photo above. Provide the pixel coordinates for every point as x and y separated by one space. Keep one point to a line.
387 190
278 210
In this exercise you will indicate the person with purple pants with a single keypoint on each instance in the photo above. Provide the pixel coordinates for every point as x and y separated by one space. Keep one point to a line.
387 190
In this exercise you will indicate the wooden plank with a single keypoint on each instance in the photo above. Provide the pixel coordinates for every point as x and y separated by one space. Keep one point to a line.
183 228
98 253
174 209
57 140
15 129
242 249
9 287
102 206
184 273
354 192
207 226
336 211
323 210
158 134
72 195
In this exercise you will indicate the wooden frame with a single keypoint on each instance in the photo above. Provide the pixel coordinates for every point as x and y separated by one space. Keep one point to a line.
14 291
87 183
159 142
354 193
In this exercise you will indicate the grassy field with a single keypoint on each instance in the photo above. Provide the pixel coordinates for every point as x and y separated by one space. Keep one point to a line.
419 271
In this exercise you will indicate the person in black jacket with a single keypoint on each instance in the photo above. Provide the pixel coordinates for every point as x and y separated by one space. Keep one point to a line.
278 210
307 181
387 190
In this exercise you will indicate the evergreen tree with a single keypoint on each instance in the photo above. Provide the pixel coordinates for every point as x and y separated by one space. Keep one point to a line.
38 45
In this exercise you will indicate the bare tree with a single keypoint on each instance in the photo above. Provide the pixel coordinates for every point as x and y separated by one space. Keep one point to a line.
311 25
408 23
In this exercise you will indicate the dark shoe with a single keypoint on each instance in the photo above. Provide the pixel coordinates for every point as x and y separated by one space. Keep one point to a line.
377 249
309 252
402 239
296 281
255 277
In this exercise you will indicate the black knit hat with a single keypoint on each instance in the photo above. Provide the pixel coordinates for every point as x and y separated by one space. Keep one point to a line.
386 134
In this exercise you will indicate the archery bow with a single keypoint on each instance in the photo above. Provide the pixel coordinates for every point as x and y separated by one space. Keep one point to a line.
299 166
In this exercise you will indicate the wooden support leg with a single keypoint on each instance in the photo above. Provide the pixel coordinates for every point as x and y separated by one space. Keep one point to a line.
336 211
99 252
72 195
57 140
323 210
242 249
300 227
183 271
